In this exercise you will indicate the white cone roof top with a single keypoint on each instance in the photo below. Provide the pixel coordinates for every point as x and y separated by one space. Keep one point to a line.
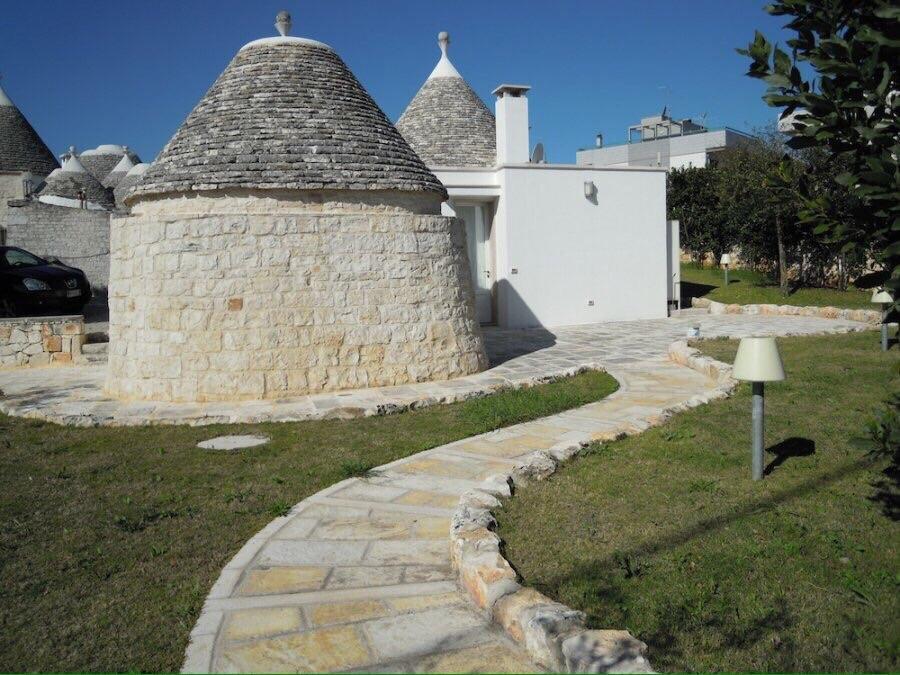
5 100
72 164
283 24
444 68
106 149
124 166
138 169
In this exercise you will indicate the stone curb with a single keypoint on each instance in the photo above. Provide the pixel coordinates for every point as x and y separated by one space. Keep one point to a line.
869 316
554 635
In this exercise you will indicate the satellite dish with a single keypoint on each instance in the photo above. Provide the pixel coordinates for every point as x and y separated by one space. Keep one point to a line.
537 155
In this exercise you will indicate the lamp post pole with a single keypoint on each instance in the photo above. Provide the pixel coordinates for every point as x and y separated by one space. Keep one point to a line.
726 274
759 432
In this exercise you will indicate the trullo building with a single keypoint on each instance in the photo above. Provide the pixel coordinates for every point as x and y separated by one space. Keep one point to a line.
287 240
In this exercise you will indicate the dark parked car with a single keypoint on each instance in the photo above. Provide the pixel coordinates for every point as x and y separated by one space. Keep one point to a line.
30 285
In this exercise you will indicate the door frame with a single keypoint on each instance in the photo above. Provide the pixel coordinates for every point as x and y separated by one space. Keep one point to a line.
487 208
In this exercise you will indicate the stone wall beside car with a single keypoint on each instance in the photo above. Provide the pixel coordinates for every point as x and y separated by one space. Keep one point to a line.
41 341
78 237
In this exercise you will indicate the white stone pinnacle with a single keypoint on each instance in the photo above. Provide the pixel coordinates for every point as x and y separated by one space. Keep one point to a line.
283 23
444 68
4 99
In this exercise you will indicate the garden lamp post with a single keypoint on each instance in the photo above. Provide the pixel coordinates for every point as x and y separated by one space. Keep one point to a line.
758 361
725 261
883 298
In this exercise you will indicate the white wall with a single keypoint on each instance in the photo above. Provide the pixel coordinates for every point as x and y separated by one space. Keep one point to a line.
568 249
694 159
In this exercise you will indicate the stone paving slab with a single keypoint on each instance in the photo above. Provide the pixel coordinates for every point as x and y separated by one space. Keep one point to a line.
518 358
358 577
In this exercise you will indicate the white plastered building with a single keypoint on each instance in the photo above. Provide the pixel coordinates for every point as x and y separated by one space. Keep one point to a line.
549 244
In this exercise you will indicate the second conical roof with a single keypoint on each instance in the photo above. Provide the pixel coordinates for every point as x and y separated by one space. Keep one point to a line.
447 123
21 149
287 113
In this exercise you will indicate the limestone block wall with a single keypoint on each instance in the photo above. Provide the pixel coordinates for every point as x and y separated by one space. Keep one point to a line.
223 299
78 237
41 341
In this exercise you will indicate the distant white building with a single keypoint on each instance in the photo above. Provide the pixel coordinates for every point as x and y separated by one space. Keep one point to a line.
549 244
663 142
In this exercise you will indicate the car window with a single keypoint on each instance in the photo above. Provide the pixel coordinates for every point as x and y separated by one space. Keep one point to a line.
13 257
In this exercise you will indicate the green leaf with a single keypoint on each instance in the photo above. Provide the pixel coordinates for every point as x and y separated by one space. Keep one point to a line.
782 63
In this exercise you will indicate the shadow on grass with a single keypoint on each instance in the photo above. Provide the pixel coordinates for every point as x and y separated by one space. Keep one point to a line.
887 492
789 447
595 586
691 290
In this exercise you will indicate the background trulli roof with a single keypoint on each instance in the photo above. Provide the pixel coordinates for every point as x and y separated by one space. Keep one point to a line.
66 182
100 161
119 172
287 113
21 149
447 123
132 178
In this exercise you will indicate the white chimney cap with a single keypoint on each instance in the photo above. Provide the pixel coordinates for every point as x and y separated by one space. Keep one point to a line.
511 89
758 360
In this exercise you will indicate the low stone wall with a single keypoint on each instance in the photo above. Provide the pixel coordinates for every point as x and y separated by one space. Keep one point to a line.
869 316
41 341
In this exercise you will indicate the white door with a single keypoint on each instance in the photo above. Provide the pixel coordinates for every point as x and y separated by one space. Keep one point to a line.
478 236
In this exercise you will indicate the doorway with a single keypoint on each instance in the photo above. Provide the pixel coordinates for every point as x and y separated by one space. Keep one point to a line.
478 238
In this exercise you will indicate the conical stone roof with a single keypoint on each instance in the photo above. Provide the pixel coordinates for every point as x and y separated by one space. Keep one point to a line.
71 181
287 113
21 149
119 172
447 123
100 161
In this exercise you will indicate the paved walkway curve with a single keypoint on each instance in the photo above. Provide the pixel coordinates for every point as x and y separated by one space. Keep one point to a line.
358 578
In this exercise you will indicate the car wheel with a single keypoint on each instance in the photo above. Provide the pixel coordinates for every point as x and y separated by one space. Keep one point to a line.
7 308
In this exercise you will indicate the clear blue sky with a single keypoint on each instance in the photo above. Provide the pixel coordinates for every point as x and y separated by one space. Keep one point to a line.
119 71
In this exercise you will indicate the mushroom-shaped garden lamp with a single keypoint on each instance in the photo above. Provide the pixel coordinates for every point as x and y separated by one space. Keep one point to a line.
725 261
883 298
758 361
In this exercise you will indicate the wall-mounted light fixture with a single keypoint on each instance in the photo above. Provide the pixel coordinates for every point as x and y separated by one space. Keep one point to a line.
589 189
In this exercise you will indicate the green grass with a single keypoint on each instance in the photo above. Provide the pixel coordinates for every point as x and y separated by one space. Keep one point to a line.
746 287
111 538
665 534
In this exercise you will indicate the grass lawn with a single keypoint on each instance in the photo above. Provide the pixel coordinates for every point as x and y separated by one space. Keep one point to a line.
665 534
746 287
111 538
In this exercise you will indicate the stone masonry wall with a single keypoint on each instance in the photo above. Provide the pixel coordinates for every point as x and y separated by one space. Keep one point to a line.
78 237
245 304
41 341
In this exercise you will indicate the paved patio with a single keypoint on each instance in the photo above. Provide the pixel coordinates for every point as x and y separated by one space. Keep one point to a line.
358 577
74 395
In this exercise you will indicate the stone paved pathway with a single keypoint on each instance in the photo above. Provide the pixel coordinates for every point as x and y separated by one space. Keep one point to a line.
358 576
74 395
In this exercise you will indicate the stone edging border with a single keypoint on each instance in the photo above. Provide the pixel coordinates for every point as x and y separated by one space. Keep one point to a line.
869 316
553 635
